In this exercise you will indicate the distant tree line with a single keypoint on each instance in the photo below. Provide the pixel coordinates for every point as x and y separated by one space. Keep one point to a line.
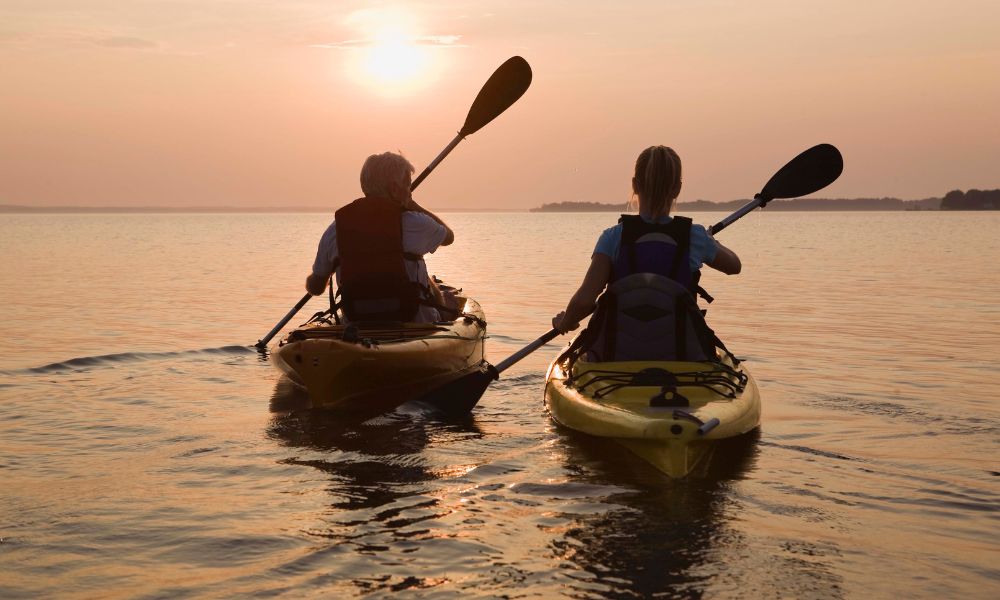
581 207
971 200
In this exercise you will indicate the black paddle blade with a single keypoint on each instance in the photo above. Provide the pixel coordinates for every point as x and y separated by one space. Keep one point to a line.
808 172
504 87
461 395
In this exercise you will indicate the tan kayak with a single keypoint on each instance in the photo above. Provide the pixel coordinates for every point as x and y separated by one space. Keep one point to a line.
374 367
668 413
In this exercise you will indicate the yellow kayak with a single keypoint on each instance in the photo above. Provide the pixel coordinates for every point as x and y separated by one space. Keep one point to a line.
374 367
668 413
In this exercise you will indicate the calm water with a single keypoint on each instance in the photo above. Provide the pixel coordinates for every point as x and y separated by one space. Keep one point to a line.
146 451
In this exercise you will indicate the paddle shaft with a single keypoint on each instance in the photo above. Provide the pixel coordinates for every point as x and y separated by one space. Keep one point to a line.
808 172
553 333
535 345
434 163
501 90
262 343
757 202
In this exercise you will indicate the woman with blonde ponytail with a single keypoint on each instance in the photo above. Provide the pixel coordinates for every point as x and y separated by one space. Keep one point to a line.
678 249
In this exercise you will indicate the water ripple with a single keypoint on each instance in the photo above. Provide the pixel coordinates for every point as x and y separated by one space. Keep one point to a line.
106 360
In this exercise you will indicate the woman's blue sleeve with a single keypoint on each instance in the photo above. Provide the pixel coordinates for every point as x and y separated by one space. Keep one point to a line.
609 241
703 248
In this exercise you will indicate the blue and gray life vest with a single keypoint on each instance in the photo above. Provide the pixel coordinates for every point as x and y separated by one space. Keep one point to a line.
649 311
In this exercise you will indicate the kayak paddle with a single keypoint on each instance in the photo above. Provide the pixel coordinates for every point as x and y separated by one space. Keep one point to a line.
808 172
501 90
461 395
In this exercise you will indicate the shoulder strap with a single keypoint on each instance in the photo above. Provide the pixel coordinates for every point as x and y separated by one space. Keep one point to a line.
681 232
610 326
631 231
696 282
632 228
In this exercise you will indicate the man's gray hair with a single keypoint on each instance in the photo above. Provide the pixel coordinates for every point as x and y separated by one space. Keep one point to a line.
381 170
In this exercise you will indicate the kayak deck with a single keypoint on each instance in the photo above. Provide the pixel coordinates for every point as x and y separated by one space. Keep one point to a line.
667 413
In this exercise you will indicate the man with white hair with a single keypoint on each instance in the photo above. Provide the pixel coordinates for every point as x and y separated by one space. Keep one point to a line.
376 245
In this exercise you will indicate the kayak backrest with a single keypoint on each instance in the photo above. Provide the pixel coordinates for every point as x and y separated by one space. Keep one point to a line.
646 316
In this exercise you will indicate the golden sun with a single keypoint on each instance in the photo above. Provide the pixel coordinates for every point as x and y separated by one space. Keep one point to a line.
391 54
394 60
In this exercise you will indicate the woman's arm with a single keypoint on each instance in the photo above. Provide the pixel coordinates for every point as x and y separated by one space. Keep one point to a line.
726 261
582 302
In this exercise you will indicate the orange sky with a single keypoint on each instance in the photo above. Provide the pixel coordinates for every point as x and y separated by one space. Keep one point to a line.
277 103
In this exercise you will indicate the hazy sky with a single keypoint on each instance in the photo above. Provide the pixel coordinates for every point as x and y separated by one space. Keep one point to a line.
278 102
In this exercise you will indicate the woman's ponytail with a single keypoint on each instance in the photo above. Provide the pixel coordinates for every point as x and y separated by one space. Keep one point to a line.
658 178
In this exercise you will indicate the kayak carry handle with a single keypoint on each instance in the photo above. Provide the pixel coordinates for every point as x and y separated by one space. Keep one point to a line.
703 426
708 426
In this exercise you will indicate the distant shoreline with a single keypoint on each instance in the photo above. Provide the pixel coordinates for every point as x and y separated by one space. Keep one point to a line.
954 200
799 204
21 209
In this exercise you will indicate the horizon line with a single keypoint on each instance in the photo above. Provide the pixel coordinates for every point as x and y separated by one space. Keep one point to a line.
21 208
720 205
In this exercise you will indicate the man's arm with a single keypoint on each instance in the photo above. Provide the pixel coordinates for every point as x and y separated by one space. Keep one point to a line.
324 263
449 237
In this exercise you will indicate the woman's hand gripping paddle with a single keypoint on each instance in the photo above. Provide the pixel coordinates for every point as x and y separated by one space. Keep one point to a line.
501 90
808 172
